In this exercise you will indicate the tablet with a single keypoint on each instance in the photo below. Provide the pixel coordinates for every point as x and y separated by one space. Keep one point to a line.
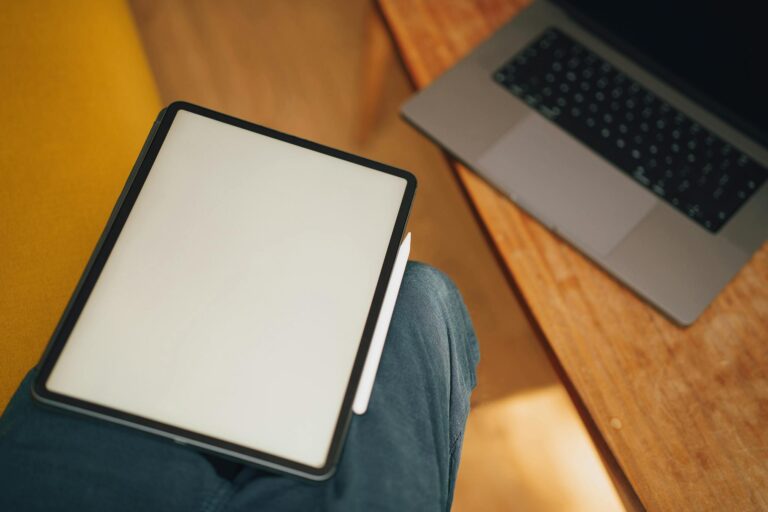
231 300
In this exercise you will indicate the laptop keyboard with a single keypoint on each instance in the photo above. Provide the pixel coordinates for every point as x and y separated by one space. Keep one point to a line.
661 148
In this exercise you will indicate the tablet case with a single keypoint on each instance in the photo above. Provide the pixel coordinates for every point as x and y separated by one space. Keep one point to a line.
368 368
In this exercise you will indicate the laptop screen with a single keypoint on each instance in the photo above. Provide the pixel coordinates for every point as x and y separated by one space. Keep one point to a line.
713 51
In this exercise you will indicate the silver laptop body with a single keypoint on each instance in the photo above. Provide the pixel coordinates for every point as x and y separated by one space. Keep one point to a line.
653 247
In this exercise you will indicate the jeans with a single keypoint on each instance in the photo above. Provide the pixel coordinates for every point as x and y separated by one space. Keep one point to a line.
403 454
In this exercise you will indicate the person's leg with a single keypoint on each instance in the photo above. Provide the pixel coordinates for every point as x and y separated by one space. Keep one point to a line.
403 454
57 461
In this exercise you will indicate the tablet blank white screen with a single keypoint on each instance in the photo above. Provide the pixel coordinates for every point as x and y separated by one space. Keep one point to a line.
234 300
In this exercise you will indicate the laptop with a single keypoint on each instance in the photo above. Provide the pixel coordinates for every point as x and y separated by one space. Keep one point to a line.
637 131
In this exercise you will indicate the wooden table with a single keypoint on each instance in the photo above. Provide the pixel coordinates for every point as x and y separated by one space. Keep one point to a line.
684 411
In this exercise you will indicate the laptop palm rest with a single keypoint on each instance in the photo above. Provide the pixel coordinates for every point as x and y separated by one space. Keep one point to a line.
565 185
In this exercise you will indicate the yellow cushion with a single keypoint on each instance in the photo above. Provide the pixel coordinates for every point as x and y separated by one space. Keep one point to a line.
76 102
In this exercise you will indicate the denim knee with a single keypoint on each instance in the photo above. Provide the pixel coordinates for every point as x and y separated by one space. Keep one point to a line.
429 298
430 283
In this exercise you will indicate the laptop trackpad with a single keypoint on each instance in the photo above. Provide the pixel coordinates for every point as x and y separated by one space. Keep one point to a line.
565 184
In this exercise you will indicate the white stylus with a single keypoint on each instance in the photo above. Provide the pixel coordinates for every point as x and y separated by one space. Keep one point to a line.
367 378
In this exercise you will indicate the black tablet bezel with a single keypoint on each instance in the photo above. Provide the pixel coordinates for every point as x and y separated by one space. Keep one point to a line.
101 253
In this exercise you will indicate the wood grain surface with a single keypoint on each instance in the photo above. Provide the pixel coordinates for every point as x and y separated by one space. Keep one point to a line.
684 410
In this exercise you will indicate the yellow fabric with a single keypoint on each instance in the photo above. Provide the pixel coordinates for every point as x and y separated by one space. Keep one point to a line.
76 102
